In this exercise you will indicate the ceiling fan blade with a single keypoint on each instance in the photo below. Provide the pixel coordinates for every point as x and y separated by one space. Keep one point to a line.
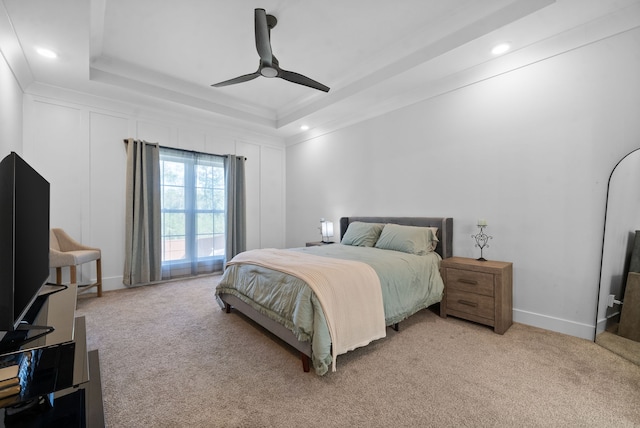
269 66
239 79
263 39
302 80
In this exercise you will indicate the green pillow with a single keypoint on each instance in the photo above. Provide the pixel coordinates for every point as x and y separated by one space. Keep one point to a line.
360 234
408 239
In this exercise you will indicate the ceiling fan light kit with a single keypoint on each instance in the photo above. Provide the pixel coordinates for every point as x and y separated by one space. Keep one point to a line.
269 65
269 72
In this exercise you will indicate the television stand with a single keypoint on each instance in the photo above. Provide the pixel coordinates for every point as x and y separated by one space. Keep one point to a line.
64 381
29 327
14 340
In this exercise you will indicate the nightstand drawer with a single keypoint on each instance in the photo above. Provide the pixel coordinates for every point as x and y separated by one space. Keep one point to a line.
470 303
470 281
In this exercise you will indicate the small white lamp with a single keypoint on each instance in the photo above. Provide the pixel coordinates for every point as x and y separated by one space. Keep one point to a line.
326 228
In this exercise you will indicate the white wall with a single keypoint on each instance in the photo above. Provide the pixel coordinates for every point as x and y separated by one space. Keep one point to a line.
78 146
10 111
530 150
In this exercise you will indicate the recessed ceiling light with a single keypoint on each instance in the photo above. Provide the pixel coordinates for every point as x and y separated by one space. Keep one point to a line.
47 53
305 127
501 48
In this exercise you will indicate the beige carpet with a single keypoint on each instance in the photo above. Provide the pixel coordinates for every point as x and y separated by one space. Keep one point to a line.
622 346
170 357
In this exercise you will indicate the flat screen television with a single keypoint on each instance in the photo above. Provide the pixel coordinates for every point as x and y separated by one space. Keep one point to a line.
24 238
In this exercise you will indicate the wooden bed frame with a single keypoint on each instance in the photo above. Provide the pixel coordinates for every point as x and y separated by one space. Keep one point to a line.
444 248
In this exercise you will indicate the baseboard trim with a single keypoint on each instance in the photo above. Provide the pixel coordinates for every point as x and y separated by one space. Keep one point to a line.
601 326
604 323
112 283
115 282
572 328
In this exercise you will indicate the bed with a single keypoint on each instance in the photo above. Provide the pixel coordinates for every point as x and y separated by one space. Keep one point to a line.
394 260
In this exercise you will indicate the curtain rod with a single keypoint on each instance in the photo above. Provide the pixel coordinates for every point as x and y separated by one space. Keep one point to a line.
126 141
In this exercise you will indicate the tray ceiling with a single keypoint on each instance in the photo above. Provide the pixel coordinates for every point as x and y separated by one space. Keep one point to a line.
375 55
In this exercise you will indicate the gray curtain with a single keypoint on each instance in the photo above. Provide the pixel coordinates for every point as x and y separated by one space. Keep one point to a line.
236 230
142 241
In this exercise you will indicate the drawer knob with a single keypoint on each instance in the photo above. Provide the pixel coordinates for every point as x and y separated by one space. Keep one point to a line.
468 303
468 281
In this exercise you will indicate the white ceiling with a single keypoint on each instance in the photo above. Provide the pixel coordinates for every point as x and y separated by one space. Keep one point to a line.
375 55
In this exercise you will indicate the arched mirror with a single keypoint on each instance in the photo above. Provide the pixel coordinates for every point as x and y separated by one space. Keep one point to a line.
618 318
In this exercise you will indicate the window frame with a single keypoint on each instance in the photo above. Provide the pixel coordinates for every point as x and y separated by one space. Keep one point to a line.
192 263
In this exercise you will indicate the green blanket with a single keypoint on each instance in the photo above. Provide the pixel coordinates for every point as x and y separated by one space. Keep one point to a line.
409 283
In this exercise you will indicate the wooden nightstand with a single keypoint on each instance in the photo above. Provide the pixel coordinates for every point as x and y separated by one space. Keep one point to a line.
478 291
318 243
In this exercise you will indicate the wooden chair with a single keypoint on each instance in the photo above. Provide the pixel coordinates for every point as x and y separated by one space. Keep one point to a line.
65 251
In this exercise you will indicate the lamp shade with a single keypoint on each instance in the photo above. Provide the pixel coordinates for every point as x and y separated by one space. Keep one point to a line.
327 229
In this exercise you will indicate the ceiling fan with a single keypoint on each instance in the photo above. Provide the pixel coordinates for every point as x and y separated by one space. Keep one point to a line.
269 65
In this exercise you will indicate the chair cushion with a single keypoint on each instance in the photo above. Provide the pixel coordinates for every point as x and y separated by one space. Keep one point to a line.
72 258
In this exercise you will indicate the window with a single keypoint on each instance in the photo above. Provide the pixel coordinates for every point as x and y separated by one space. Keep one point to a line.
193 212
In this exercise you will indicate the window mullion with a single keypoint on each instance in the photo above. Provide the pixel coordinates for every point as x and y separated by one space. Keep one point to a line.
190 201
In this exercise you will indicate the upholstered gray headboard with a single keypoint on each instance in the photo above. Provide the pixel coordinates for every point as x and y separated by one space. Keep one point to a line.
444 225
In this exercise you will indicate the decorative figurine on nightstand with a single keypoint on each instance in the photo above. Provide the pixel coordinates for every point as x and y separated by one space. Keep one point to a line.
481 238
